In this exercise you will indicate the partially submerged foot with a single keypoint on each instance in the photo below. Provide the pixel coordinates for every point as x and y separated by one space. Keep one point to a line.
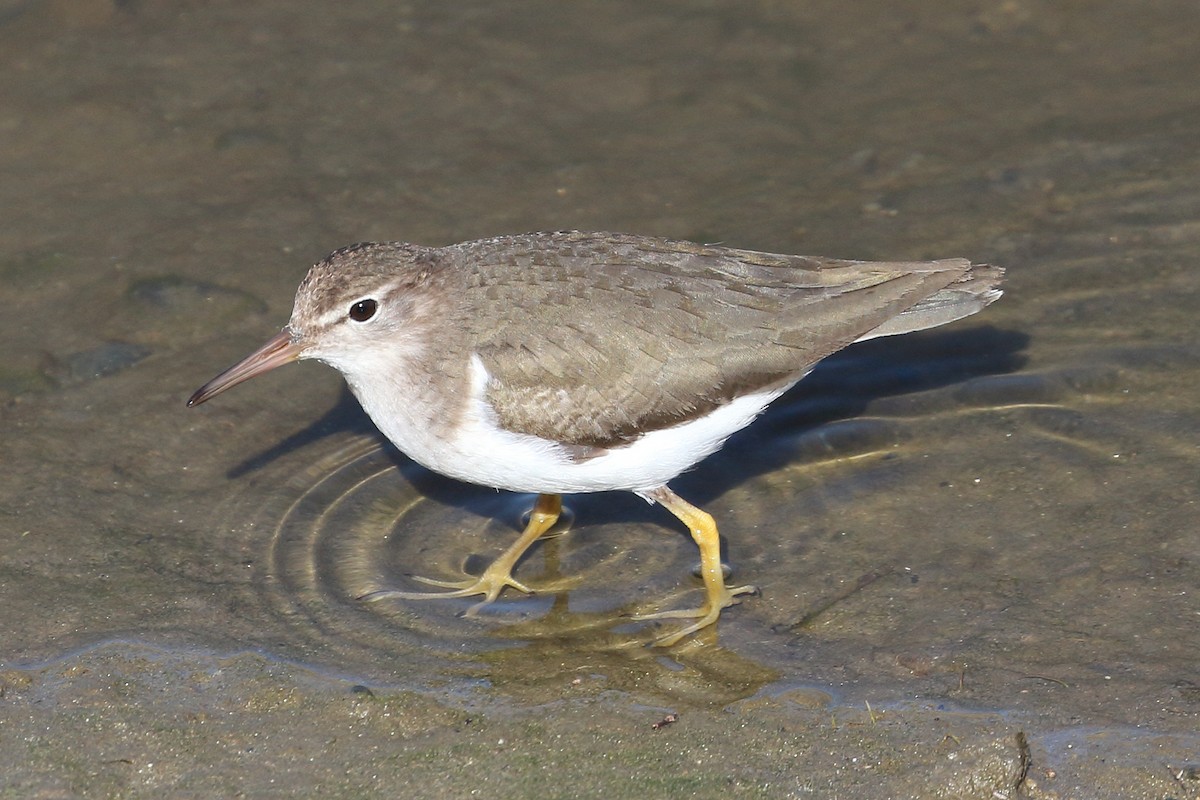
498 576
717 595
705 615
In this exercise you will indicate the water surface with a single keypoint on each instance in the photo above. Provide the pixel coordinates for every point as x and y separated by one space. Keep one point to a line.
986 532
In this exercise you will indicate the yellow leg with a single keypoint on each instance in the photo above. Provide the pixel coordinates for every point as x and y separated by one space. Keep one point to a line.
716 594
498 575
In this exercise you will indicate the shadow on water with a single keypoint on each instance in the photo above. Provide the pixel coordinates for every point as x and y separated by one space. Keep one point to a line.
345 417
842 387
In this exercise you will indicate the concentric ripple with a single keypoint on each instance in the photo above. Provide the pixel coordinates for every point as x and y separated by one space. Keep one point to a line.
362 519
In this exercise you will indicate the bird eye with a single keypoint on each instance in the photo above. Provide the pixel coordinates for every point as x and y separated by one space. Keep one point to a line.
363 310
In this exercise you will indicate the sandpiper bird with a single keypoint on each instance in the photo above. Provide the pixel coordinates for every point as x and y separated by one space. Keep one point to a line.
554 363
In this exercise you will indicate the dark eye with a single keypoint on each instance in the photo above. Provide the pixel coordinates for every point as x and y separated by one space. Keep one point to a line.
363 310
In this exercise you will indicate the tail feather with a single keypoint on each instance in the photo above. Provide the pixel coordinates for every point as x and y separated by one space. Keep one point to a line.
978 287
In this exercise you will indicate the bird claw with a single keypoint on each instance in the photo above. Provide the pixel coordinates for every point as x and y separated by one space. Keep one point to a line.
705 615
498 575
489 584
485 584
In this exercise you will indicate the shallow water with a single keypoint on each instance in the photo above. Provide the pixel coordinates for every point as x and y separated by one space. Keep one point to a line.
981 530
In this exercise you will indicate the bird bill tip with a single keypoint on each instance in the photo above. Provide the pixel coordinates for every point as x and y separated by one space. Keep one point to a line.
277 351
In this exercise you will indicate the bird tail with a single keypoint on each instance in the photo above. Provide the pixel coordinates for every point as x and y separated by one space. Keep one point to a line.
975 289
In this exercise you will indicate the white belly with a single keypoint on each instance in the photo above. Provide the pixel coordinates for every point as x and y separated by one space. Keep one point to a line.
481 452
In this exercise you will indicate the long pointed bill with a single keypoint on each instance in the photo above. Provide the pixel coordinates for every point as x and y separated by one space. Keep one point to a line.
278 351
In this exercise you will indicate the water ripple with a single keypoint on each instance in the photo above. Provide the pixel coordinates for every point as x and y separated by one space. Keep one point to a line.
362 518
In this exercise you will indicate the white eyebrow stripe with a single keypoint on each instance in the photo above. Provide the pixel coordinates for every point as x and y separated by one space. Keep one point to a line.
337 314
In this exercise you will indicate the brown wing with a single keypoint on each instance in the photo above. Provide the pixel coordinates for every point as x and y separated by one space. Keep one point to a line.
605 336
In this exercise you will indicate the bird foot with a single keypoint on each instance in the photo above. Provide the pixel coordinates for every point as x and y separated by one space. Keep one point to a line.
705 615
490 584
498 574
